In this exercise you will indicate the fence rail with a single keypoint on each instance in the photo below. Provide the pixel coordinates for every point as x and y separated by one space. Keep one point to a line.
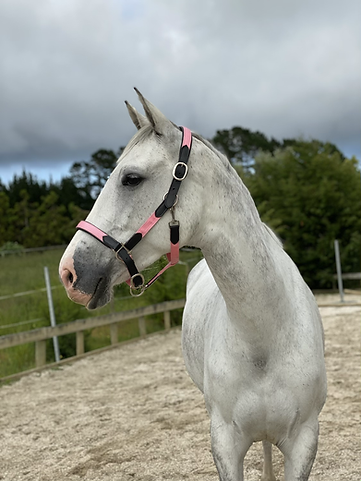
40 336
350 276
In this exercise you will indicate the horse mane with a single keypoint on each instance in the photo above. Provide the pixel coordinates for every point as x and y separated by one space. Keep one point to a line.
229 168
208 144
143 133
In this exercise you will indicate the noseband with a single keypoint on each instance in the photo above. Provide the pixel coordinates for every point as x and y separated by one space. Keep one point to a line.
122 251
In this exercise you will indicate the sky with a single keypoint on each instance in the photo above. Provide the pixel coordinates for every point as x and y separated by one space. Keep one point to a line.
288 68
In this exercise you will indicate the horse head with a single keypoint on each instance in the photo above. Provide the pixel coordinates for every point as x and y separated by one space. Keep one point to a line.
138 187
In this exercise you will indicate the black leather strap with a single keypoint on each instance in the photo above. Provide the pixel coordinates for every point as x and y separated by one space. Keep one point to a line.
174 233
180 173
130 264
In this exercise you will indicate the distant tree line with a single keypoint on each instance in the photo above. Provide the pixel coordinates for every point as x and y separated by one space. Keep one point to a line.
306 191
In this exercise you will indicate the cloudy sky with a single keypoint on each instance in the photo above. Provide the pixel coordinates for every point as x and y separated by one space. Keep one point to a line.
285 67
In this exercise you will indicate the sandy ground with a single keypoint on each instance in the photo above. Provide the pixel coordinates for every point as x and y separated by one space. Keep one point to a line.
132 413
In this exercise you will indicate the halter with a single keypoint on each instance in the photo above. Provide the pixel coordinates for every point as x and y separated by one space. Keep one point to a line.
122 251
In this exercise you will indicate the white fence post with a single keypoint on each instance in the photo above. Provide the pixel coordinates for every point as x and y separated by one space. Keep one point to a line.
51 312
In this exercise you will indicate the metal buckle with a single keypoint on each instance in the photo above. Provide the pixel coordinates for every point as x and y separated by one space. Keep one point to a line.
185 171
137 291
116 252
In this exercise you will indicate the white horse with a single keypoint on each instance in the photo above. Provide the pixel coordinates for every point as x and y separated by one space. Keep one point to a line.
252 333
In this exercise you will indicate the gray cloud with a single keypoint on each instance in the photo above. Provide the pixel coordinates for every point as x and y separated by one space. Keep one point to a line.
285 68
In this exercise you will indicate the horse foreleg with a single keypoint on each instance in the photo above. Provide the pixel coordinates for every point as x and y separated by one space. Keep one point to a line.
229 448
300 452
267 474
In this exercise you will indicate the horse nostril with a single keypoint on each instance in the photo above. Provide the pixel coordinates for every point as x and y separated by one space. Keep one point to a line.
67 276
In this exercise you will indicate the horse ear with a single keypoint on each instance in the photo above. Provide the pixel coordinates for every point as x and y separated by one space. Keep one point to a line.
158 120
138 119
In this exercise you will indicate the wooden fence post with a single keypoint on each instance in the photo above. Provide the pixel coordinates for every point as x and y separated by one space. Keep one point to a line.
167 320
40 353
142 326
113 333
79 343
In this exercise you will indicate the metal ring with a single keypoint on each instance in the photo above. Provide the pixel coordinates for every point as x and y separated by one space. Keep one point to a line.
185 172
176 199
137 291
132 285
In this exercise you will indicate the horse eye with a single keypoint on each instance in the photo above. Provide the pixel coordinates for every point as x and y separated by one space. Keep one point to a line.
132 180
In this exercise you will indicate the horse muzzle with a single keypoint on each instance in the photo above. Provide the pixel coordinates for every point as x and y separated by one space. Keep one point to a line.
86 283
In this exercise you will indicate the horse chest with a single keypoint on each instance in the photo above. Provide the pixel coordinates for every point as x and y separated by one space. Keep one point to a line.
247 393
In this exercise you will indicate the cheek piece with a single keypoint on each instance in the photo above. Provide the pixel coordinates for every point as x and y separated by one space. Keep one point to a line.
123 251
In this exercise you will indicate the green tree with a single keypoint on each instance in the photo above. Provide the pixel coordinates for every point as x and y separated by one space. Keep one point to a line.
241 145
310 195
26 182
69 194
44 223
19 216
48 223
90 176
6 230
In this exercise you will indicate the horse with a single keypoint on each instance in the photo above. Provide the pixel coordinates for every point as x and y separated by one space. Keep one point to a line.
252 336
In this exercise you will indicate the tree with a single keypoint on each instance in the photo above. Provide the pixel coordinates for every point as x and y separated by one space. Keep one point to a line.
6 229
91 176
241 145
47 223
29 183
69 194
310 195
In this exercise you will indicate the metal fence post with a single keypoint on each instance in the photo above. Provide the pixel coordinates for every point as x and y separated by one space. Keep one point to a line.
338 269
51 312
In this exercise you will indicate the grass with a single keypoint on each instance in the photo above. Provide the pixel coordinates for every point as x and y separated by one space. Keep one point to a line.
25 272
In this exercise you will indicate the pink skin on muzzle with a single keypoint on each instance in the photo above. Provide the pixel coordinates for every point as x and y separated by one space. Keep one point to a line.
68 278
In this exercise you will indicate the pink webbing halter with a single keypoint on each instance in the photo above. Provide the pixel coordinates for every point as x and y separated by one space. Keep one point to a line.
123 251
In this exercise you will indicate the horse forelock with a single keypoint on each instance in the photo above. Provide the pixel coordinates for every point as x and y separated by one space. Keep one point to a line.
145 132
141 135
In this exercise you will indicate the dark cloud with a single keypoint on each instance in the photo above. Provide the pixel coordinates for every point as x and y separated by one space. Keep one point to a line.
285 68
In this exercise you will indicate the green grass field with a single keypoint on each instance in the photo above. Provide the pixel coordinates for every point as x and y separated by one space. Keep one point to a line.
20 273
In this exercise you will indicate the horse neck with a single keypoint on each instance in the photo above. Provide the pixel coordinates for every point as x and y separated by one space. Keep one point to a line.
239 249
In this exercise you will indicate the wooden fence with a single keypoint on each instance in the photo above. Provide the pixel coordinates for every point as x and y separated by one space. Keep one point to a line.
39 336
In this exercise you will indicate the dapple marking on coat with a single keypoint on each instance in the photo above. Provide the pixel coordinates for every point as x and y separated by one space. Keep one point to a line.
252 335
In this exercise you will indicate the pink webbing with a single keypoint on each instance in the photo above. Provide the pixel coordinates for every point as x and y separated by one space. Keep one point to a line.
153 279
173 259
187 137
148 224
92 229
